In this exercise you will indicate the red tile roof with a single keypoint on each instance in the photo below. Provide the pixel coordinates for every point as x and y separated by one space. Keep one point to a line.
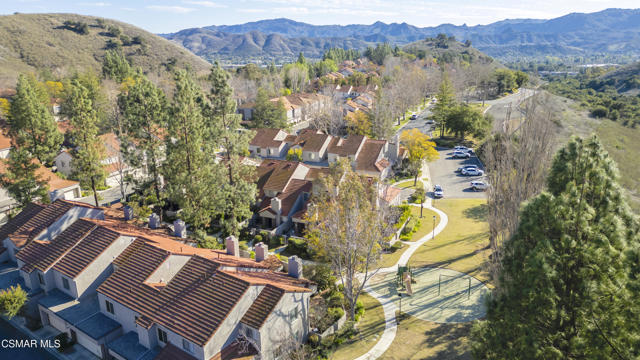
346 147
368 157
20 219
262 307
288 196
311 140
236 351
40 221
266 138
43 254
171 352
86 251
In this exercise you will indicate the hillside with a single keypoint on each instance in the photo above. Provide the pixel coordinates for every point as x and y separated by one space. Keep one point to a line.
611 31
625 79
41 42
448 50
215 44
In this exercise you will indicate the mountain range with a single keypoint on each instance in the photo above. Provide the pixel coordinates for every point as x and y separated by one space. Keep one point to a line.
609 32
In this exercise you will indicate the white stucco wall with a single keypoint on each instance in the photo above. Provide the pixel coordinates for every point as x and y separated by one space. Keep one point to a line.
63 163
122 314
69 218
279 327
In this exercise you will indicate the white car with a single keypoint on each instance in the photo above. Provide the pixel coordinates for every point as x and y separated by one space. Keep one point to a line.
467 168
458 154
479 185
460 148
474 172
438 192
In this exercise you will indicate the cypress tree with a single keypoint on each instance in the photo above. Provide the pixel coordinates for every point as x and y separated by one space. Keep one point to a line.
566 290
31 123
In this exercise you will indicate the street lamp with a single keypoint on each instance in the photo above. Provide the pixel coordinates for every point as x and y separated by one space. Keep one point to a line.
400 313
433 233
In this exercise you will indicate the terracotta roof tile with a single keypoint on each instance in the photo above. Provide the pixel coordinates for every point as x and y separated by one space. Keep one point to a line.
288 196
39 222
171 352
43 254
266 138
20 219
86 251
348 146
368 157
262 307
236 351
311 140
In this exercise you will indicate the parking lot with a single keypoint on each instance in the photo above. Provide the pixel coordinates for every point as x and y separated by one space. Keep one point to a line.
455 185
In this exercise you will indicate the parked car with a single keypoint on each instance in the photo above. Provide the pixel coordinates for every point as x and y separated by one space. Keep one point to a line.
474 172
413 117
460 148
469 150
438 192
430 122
467 168
479 185
458 154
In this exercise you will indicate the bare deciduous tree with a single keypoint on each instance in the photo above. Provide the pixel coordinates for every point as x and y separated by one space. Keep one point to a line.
517 160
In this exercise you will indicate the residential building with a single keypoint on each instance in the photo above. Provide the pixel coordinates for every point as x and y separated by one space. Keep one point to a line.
123 291
300 108
270 143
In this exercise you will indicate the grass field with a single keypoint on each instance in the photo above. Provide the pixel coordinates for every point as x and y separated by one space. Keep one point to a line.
390 259
463 244
406 184
419 339
371 326
426 223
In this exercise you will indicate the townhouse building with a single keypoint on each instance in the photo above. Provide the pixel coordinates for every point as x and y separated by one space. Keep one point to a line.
124 291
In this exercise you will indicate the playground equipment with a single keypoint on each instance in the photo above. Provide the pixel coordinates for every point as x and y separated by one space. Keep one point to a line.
403 274
468 280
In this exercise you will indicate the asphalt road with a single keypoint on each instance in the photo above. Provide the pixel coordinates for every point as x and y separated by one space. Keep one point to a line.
420 122
455 185
500 107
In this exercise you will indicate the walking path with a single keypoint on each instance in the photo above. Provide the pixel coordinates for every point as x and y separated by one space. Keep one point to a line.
387 301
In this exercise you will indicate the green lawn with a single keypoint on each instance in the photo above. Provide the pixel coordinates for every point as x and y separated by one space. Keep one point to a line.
392 258
426 222
406 184
463 244
371 326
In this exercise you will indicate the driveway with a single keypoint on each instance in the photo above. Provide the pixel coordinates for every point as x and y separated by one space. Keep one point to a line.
455 185
420 122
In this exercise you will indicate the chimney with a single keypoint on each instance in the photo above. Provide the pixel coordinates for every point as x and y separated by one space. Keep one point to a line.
232 246
154 221
276 205
179 229
295 267
128 212
261 251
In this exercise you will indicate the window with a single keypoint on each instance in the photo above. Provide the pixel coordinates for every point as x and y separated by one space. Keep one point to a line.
186 345
162 336
109 306
65 283
41 278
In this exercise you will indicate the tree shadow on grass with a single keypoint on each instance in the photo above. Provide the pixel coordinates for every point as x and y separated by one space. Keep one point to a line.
477 213
451 336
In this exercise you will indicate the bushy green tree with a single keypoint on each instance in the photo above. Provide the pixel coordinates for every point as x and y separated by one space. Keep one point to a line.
565 289
31 123
21 180
445 100
116 66
268 114
463 119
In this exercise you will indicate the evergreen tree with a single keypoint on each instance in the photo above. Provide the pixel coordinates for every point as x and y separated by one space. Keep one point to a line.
21 180
238 191
301 59
116 66
445 101
31 123
267 114
89 151
144 108
192 179
565 290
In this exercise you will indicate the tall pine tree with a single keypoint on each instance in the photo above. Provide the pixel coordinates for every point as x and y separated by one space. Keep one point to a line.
31 123
445 101
192 178
89 151
144 109
565 285
238 190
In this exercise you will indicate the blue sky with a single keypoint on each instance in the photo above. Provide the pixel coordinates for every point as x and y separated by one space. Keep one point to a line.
171 15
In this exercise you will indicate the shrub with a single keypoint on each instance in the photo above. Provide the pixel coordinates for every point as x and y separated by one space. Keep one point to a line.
335 313
335 299
396 246
314 339
410 228
257 239
12 300
405 238
321 274
359 310
599 111
65 342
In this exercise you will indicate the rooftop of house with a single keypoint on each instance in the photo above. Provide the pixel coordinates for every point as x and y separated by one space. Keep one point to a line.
262 307
368 160
111 144
346 146
268 138
288 196
5 140
274 175
38 222
311 140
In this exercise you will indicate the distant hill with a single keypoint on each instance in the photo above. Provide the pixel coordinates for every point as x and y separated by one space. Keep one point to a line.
41 42
215 44
448 51
611 31
625 79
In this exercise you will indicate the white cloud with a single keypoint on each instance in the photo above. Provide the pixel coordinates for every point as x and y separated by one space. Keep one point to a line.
291 10
204 3
171 9
252 11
